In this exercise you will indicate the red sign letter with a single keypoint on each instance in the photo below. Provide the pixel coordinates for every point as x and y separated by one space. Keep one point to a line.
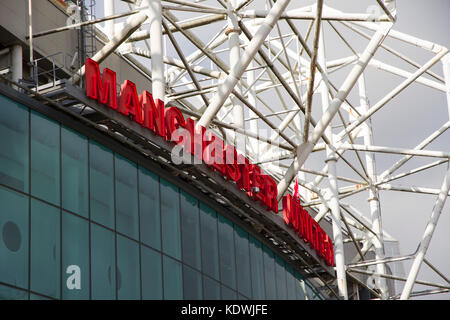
174 120
153 117
103 90
232 168
129 101
271 192
288 209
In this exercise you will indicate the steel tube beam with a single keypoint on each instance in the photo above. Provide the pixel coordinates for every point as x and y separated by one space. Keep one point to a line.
426 238
132 24
109 24
374 202
423 293
333 202
253 123
413 189
394 92
424 44
183 59
404 74
178 63
418 169
30 34
154 14
236 72
312 70
203 50
269 123
394 52
198 22
302 15
420 146
388 276
386 10
446 68
385 260
428 263
411 152
17 64
305 149
239 130
233 32
86 23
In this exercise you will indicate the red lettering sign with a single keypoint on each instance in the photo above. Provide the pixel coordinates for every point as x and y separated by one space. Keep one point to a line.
205 146
307 228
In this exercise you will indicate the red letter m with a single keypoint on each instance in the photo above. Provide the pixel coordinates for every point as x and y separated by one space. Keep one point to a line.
103 90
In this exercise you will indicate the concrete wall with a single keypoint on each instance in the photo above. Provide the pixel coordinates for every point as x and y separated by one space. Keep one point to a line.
47 15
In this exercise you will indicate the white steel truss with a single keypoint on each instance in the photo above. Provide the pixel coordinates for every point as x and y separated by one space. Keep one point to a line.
293 82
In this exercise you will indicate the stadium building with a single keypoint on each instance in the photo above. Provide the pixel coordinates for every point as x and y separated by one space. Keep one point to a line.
93 204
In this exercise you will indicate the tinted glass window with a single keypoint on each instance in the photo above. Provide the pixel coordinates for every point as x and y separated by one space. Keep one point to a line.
126 197
14 129
228 294
45 249
128 280
192 284
227 255
14 238
269 274
280 278
75 257
149 208
300 286
172 279
210 247
242 262
45 155
151 274
103 264
38 297
257 269
170 217
291 283
101 184
211 289
74 172
8 293
190 230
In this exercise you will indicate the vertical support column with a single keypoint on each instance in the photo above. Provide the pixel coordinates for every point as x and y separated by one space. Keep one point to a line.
30 34
446 66
109 11
334 202
426 238
16 63
252 100
232 32
154 13
374 202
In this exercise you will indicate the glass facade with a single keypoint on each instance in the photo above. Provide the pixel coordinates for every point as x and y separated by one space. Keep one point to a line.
80 221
